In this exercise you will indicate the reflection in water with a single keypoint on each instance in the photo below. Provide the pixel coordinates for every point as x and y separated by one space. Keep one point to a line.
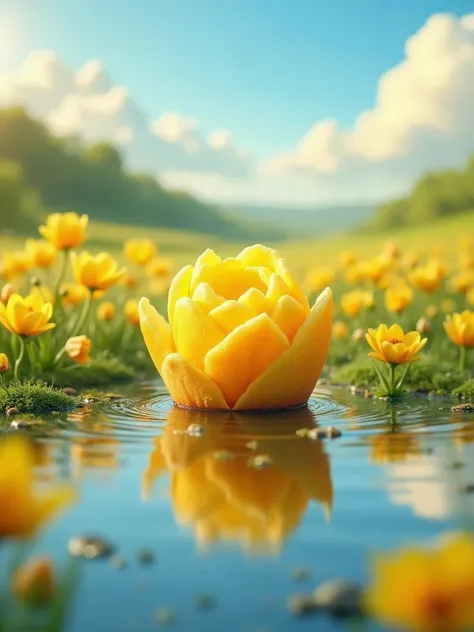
394 447
97 450
216 488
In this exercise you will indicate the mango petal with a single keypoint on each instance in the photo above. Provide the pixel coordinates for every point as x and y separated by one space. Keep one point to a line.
256 301
229 279
207 299
290 380
156 333
258 255
230 315
244 355
295 288
276 289
189 386
180 286
288 315
194 332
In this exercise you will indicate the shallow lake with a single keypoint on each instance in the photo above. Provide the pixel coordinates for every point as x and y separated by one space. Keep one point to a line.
247 513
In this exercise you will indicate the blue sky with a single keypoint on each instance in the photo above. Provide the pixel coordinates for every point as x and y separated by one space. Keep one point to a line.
265 69
271 101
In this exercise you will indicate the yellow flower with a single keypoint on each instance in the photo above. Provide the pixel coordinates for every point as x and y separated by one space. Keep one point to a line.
65 230
319 278
218 492
347 258
397 299
28 316
460 328
392 345
159 267
466 260
431 311
410 259
391 250
41 252
27 510
340 330
374 269
44 292
241 334
106 311
353 273
73 294
78 349
428 590
426 278
4 363
33 582
7 290
97 272
15 263
140 251
353 302
131 311
463 281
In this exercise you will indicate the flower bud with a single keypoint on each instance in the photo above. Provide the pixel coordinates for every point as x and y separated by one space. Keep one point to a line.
7 290
4 363
358 335
33 582
35 281
423 326
106 311
78 349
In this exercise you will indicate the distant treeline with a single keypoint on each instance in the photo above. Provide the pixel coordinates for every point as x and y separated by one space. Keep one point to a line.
435 195
39 172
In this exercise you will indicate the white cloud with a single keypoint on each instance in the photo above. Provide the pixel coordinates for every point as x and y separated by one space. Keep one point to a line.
87 103
423 118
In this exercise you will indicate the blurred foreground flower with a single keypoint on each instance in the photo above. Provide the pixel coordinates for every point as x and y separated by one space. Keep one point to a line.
73 294
140 251
340 330
23 510
33 582
65 230
460 330
106 311
426 278
394 347
78 349
241 334
159 267
97 272
217 487
397 299
353 302
131 311
41 253
319 278
425 590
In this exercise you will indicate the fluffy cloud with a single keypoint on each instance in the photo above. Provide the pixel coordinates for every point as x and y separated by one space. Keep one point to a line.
423 118
87 103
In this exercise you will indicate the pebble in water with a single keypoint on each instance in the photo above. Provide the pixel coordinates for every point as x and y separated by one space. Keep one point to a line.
146 557
91 400
25 424
195 430
118 562
300 605
300 573
260 462
164 616
68 390
90 547
11 412
302 432
468 488
223 455
463 408
204 601
339 597
324 433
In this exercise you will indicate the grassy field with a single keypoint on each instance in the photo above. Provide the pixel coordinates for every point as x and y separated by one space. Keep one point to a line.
183 247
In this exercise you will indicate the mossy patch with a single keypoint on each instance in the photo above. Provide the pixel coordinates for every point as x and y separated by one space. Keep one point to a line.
99 372
35 399
465 390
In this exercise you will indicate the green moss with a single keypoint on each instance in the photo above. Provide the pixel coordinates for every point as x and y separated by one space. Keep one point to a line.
358 373
465 390
35 399
99 372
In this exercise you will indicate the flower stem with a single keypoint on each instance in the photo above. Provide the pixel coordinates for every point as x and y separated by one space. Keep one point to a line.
21 355
79 324
393 368
61 276
462 359
2 384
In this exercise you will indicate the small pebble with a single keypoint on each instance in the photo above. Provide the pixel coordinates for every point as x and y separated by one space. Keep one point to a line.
204 601
179 432
463 408
468 488
164 616
339 597
301 605
324 433
302 432
300 572
118 562
25 424
368 394
260 462
146 557
91 400
11 412
68 390
90 547
456 465
195 430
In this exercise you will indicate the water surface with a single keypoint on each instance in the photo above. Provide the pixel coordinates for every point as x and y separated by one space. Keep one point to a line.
236 512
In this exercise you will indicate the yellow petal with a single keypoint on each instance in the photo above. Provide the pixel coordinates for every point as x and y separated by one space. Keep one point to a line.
256 301
156 333
194 332
288 315
205 296
276 289
208 258
180 286
257 256
189 386
295 288
244 355
290 380
395 354
229 279
230 315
